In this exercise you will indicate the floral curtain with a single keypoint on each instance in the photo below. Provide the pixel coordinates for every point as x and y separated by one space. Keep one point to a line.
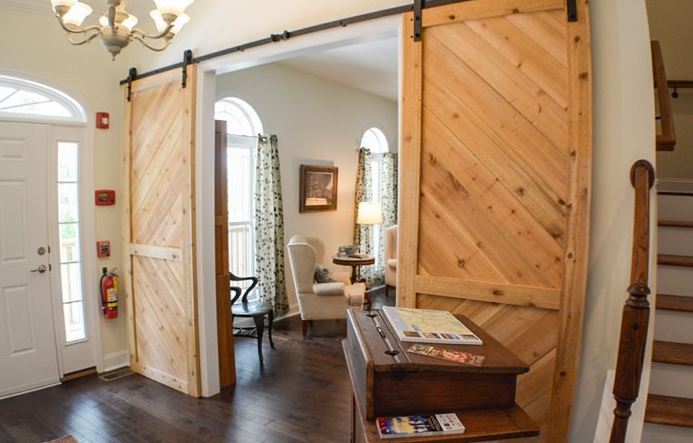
269 226
362 233
388 192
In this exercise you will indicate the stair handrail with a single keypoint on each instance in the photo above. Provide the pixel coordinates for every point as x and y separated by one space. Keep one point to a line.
636 311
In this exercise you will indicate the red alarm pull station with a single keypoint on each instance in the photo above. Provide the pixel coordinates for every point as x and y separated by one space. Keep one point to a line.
105 197
103 120
103 249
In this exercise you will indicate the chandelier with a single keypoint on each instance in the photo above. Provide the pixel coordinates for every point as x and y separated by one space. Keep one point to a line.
117 27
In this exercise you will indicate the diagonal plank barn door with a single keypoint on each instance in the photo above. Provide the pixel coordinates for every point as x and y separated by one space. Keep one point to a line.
496 165
159 230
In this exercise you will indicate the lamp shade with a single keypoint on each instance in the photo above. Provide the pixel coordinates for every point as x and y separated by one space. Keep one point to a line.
370 213
67 3
161 24
77 14
175 7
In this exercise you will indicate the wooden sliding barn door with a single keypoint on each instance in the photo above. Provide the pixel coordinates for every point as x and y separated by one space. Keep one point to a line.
159 230
495 195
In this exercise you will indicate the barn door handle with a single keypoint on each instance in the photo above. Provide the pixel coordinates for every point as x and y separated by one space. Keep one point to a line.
41 269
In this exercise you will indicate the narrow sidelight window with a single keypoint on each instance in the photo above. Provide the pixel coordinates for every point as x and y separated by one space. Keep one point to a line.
70 245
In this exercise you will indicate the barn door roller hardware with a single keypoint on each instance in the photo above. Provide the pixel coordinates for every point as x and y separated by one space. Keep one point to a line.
187 60
132 74
572 10
416 7
419 5
279 37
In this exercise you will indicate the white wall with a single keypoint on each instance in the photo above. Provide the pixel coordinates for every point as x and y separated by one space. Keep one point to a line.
318 122
670 23
623 133
34 45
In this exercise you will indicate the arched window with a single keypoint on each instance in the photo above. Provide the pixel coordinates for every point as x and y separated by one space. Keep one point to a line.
27 100
374 139
241 118
243 125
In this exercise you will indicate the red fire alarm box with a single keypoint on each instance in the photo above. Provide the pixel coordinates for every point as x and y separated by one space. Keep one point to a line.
103 249
105 197
103 120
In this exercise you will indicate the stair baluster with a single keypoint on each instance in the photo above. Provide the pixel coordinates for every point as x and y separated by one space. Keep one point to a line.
636 312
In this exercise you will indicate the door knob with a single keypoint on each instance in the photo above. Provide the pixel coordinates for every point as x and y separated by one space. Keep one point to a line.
41 269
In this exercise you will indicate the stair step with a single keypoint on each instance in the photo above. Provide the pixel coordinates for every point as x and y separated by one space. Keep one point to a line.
672 353
679 303
675 260
673 411
676 223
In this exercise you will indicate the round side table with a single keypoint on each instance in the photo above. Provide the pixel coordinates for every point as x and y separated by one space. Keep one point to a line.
355 264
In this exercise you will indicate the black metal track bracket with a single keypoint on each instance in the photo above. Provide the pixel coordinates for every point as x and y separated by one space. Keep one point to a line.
418 25
132 75
279 37
187 61
571 7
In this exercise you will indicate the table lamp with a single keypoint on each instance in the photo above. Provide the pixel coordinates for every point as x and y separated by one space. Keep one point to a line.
370 213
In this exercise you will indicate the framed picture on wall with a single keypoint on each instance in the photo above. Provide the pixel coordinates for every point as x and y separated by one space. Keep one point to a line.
318 188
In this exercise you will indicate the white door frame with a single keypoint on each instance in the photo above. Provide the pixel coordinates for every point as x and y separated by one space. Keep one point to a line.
204 159
83 133
87 241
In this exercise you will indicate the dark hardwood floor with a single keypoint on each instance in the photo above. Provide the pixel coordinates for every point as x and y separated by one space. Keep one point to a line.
301 394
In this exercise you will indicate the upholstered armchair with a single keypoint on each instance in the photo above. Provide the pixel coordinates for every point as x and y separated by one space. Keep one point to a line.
390 258
320 301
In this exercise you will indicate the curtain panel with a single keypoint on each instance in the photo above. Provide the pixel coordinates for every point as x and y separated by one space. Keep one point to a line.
269 226
363 193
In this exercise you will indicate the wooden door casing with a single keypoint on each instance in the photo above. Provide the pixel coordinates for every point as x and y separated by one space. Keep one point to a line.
159 230
227 365
496 168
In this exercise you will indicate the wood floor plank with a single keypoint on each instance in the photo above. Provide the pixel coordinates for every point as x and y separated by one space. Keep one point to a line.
301 394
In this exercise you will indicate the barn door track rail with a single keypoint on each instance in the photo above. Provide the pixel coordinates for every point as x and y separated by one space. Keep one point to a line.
417 7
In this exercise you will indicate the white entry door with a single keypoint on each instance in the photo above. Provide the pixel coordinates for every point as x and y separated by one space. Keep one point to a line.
28 356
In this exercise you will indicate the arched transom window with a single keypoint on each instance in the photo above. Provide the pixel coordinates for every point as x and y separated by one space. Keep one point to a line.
24 99
374 139
241 118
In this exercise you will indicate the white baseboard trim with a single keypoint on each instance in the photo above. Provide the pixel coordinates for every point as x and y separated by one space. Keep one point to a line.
31 387
115 360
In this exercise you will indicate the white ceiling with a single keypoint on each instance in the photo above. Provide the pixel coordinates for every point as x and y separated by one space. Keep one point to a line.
370 67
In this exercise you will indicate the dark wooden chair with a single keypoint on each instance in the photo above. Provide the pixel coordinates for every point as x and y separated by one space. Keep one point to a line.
254 310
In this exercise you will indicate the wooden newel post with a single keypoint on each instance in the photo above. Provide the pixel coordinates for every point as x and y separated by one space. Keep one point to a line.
636 312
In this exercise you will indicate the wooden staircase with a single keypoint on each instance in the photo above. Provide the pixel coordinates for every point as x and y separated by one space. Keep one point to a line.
672 356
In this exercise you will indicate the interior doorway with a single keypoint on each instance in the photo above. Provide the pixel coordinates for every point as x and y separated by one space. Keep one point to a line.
319 104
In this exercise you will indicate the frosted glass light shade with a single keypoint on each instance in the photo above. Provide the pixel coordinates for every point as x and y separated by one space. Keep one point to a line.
175 7
68 3
370 213
161 23
130 22
77 14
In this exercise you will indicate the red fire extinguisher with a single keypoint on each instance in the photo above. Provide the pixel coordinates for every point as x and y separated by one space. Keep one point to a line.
109 293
